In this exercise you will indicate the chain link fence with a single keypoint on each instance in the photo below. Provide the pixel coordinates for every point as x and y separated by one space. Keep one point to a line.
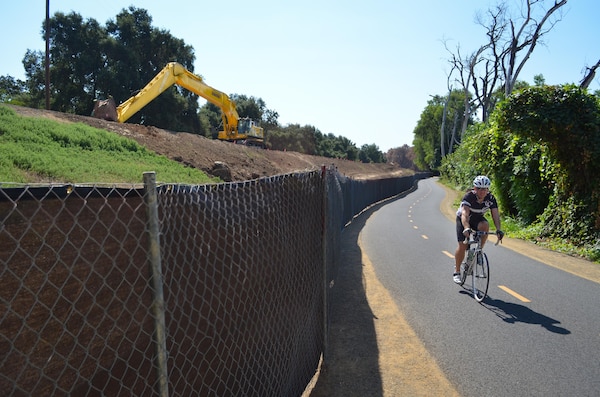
166 289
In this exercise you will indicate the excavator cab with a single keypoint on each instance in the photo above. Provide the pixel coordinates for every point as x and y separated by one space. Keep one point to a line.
245 126
252 133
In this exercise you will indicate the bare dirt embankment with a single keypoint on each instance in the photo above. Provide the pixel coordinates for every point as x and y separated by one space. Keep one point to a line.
199 152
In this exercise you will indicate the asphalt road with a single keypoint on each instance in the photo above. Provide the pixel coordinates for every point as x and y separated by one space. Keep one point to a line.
536 334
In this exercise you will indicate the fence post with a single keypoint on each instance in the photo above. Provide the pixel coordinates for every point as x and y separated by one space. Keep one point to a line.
325 238
158 302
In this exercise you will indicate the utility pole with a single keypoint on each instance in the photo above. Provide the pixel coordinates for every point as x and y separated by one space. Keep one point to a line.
47 55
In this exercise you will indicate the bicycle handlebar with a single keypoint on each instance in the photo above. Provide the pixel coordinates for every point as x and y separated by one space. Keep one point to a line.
479 233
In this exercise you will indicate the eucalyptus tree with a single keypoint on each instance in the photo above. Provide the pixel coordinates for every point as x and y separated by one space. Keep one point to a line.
428 137
525 32
589 76
511 37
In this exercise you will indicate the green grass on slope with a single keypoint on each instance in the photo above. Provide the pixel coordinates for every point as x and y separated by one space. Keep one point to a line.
41 150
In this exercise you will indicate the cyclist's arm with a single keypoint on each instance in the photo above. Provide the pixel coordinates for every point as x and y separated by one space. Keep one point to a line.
496 218
464 217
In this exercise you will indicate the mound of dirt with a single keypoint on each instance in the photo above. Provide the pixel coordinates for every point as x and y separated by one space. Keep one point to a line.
244 162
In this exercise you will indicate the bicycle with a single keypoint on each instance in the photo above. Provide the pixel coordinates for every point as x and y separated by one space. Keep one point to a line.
476 265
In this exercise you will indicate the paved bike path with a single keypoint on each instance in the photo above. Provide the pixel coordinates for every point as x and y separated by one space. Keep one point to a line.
373 351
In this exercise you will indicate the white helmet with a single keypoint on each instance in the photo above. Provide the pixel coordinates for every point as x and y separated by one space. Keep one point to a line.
482 181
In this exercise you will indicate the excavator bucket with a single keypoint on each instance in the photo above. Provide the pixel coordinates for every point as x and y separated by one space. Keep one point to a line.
105 109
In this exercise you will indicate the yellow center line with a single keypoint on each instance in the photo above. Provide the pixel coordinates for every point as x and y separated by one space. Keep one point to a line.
449 255
513 293
425 237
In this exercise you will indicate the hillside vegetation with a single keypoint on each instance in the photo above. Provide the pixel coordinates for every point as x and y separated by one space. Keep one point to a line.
177 157
43 150
541 148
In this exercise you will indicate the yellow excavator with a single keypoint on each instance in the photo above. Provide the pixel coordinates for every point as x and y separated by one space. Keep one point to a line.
234 128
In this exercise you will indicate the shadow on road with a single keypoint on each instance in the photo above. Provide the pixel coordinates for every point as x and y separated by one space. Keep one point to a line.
514 312
372 355
351 365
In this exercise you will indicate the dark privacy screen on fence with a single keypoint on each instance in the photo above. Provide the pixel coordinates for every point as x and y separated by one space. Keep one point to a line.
172 289
243 285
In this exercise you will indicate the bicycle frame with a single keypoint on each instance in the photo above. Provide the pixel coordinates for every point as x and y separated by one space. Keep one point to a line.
476 265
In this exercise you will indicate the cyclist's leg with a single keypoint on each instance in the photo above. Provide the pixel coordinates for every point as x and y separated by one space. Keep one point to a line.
459 254
483 226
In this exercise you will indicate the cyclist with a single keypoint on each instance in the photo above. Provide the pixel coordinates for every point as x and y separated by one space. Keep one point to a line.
470 216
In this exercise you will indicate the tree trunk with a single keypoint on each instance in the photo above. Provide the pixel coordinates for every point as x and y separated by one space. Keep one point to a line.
591 73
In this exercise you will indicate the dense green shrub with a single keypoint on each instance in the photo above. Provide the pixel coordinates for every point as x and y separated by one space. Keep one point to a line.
541 149
564 121
522 171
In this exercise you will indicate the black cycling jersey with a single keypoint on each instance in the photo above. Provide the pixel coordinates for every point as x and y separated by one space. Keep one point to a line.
478 211
477 208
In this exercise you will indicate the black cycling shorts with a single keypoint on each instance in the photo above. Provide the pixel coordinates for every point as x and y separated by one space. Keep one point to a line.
473 223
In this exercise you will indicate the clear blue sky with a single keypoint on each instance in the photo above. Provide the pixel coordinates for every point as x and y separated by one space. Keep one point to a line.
364 70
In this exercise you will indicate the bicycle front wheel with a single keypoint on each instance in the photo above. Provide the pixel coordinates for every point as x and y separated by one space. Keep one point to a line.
463 273
481 277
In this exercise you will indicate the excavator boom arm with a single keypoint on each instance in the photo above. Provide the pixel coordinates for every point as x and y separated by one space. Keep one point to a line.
175 73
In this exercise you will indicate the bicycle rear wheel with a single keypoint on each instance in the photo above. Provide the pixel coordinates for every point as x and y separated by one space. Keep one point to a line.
481 277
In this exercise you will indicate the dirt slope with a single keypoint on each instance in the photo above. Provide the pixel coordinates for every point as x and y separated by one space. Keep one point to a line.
200 152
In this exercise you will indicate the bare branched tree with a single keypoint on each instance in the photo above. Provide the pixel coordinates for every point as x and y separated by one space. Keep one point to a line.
590 74
443 127
488 77
498 63
463 71
525 38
